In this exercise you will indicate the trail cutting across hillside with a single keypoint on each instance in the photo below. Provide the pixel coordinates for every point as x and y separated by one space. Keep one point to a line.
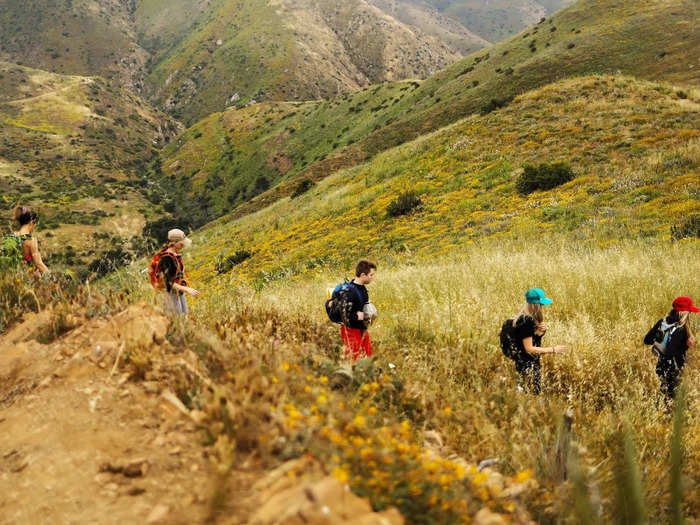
83 442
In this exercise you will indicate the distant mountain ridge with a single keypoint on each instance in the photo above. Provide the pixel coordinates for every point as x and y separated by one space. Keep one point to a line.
260 154
193 57
239 51
495 20
74 37
421 14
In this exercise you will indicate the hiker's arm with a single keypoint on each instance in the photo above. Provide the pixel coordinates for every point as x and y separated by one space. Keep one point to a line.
184 289
649 338
533 350
170 269
36 257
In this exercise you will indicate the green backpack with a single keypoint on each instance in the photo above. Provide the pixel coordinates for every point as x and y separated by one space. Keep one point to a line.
11 251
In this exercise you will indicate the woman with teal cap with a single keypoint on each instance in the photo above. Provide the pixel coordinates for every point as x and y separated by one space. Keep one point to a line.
528 330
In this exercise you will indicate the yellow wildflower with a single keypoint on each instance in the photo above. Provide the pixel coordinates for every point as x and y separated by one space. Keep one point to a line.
340 474
523 476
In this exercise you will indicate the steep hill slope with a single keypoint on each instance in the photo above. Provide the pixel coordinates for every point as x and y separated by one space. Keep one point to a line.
233 150
633 146
77 149
495 20
78 37
236 52
432 22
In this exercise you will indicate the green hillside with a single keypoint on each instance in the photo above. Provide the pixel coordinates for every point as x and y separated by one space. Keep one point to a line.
77 149
234 52
498 19
633 148
77 37
242 153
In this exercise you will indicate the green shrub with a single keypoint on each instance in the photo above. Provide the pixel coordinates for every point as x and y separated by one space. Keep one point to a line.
109 261
689 228
543 177
303 186
496 103
405 203
226 264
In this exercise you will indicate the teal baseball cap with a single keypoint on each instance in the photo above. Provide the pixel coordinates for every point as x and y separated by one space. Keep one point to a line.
536 296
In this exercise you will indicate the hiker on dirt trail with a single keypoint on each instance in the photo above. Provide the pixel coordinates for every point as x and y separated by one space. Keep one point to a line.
167 273
20 246
670 339
349 305
521 340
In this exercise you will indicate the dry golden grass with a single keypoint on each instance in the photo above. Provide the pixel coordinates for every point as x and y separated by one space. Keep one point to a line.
439 323
263 380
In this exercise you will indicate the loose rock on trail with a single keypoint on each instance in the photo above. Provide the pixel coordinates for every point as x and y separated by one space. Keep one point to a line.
82 442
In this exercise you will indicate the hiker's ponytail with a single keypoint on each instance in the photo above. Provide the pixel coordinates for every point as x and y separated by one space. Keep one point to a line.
534 310
24 215
683 318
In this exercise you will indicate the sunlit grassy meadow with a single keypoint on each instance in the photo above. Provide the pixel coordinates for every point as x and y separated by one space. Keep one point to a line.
439 323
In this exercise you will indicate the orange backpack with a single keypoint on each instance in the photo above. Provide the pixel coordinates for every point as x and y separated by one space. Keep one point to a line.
156 274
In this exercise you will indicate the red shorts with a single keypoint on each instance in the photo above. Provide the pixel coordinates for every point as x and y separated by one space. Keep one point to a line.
356 342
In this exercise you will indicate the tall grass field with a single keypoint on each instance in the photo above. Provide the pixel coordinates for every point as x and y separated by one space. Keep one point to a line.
438 331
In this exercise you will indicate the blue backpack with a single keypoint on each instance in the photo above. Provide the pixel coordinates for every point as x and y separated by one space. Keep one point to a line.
339 306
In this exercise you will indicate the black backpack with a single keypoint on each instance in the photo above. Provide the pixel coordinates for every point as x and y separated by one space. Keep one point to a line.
339 306
509 344
660 345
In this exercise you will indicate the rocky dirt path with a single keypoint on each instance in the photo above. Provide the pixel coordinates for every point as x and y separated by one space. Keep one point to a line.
80 444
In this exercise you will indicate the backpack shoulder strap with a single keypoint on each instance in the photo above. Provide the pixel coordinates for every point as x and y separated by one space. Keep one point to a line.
356 291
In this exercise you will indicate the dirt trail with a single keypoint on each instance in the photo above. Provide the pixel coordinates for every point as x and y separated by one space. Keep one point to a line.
81 444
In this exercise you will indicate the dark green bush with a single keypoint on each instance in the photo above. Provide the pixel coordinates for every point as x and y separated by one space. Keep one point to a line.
405 203
109 261
496 103
689 228
543 177
303 186
224 265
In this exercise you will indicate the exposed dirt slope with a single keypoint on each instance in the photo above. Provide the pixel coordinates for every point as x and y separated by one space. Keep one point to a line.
69 425
85 441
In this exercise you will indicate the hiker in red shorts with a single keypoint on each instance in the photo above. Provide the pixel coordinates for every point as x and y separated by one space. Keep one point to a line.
354 332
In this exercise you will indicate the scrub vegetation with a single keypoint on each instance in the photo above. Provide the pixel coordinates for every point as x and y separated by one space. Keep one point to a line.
650 40
77 149
631 145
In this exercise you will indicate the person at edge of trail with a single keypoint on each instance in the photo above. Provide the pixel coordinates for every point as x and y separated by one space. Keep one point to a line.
173 270
670 339
529 329
355 334
27 220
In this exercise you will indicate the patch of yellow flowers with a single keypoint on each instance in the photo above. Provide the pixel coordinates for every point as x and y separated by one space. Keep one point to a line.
385 460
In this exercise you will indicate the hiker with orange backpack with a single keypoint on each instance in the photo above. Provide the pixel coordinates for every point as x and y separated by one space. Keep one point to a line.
349 306
20 246
167 273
